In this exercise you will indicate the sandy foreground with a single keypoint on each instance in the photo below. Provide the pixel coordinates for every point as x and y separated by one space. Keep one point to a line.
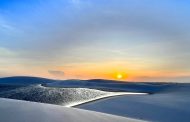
171 105
24 111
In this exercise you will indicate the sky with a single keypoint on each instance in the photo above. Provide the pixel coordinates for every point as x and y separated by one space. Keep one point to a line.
130 40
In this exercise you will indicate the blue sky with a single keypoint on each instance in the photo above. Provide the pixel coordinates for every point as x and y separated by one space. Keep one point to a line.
143 37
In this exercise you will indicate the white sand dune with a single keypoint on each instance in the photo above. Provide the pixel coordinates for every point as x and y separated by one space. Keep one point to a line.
165 102
109 94
171 105
60 96
23 111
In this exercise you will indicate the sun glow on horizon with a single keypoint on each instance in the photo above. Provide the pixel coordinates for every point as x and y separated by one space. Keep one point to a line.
119 76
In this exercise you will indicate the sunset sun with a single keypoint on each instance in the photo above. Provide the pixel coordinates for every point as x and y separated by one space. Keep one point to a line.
119 76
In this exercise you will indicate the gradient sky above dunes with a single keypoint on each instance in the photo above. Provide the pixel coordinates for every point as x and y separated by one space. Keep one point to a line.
142 40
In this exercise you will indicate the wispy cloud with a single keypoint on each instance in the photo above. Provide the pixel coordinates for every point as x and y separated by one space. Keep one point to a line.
7 28
56 73
4 52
